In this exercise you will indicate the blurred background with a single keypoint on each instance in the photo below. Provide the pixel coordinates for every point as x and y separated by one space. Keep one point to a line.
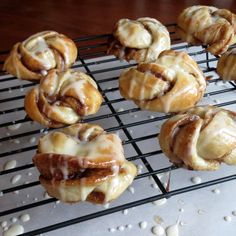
21 18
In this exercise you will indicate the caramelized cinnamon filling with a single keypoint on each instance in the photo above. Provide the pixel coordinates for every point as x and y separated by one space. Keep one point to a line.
176 130
50 121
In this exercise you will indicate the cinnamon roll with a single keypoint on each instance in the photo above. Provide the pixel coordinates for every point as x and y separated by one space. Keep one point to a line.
226 66
172 83
34 57
63 98
83 163
201 138
141 40
210 26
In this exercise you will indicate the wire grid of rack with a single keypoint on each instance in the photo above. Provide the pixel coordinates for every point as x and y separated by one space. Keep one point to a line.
138 130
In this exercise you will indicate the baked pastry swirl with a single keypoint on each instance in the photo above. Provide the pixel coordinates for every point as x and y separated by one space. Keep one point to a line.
172 83
62 98
34 57
209 26
83 163
226 66
141 40
201 138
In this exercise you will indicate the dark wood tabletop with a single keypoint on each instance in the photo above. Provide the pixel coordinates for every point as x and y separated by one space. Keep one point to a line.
22 18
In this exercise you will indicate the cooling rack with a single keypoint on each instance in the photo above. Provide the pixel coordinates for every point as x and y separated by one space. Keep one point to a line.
137 129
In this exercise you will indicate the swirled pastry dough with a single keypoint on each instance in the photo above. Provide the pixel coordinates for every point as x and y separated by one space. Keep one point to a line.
142 39
83 162
201 138
205 25
172 83
226 66
63 98
34 57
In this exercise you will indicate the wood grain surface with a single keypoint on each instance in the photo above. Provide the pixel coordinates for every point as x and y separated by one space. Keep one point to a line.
21 18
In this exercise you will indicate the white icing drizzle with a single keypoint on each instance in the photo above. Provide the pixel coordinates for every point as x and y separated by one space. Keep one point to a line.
15 179
112 230
125 212
121 228
234 213
201 211
120 109
228 218
46 196
10 165
196 180
131 189
32 140
14 219
140 168
181 210
16 141
216 191
14 126
25 217
159 220
173 230
143 225
181 223
38 48
158 230
14 230
129 226
106 206
160 202
3 223
78 86
84 150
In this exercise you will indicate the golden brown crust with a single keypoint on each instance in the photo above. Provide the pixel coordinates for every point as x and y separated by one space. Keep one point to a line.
204 25
201 138
226 66
62 98
34 57
81 162
78 146
172 83
141 40
99 192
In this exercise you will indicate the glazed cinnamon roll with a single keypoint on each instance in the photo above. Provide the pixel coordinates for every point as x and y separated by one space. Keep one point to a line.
172 83
205 25
63 98
141 40
226 66
83 163
201 138
34 57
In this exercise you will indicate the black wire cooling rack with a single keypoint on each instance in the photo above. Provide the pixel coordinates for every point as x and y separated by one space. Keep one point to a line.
105 70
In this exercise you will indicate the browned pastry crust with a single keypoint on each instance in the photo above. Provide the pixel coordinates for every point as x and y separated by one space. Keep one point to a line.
201 138
34 57
172 83
226 66
141 40
82 162
205 25
62 98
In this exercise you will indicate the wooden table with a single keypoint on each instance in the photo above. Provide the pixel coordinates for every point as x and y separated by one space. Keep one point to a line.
21 18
